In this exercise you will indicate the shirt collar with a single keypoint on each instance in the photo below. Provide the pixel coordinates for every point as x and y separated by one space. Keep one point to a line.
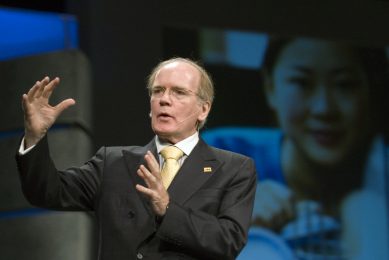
185 145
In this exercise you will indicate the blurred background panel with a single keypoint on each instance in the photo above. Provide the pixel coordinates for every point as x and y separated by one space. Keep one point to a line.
31 32
21 73
35 44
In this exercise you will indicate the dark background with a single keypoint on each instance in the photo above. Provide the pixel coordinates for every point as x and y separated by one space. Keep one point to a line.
125 39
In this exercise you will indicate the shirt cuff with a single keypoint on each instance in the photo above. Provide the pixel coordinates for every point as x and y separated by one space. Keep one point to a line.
23 151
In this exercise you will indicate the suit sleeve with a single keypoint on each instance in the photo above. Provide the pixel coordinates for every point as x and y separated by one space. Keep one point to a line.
214 237
44 186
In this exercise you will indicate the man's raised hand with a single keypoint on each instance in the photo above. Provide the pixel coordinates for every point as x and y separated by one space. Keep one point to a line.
39 115
155 191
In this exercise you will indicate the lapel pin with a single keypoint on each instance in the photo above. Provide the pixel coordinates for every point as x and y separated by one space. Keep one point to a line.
207 169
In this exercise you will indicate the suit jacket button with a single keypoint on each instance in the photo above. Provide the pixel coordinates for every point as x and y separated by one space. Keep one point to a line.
131 214
139 256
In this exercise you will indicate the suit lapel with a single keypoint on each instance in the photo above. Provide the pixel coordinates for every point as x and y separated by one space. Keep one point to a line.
134 159
200 165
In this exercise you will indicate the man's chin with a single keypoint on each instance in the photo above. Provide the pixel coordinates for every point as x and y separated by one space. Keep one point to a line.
163 133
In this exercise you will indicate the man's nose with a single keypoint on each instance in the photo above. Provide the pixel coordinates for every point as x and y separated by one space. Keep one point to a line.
165 97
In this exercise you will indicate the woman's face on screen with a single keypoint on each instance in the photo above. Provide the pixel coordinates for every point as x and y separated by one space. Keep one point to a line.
320 93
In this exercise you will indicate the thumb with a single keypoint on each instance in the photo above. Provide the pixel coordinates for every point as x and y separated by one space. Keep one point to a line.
64 105
24 102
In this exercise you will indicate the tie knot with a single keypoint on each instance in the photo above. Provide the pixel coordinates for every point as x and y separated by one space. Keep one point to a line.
171 152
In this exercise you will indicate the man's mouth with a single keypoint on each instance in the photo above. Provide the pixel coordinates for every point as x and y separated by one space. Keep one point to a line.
164 116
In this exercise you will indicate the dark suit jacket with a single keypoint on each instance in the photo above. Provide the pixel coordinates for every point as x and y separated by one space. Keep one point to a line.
207 218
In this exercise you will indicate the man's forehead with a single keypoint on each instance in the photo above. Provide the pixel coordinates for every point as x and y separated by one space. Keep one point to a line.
179 66
178 70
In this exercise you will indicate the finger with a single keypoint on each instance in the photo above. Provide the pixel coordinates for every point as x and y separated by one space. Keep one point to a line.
32 91
152 164
144 190
48 89
153 177
143 176
24 102
64 105
153 159
148 176
41 86
26 105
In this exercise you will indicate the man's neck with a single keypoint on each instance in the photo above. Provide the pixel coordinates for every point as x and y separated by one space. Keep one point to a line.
186 145
172 140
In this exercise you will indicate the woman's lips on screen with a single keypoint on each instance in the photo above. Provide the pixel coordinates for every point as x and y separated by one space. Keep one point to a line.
327 137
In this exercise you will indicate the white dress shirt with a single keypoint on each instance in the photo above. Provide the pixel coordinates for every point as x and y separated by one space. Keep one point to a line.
185 145
23 151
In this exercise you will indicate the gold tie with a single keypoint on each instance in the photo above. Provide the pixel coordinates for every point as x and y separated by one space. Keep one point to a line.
171 154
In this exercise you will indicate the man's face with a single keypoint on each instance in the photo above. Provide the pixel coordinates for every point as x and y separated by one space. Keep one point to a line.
175 106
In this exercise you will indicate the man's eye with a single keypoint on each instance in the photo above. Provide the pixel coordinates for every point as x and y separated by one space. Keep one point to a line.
180 92
156 90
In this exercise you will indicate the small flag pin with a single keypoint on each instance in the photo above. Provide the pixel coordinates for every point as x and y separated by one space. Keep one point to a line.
207 169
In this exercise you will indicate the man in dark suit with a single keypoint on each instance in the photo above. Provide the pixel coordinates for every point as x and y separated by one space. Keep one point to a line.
143 210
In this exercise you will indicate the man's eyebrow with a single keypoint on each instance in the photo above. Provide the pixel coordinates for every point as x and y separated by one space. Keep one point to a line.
180 87
177 87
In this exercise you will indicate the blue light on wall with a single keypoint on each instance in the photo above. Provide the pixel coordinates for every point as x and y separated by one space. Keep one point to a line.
245 49
24 32
240 49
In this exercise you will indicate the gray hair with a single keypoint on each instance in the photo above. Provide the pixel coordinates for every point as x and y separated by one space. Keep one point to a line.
206 89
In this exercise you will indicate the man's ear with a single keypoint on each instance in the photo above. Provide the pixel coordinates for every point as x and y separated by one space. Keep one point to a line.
205 108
